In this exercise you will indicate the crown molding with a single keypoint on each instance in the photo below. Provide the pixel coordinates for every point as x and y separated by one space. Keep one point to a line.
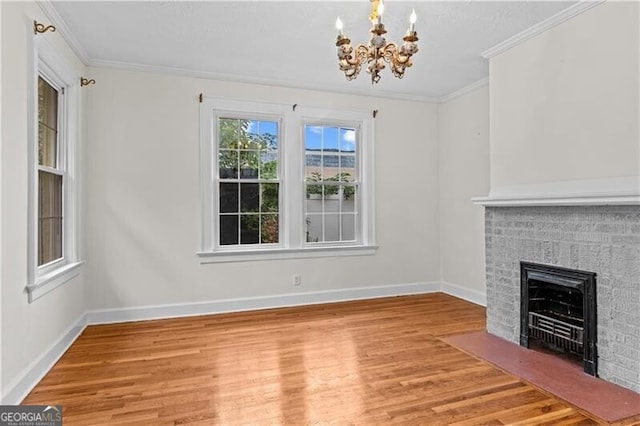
183 72
541 27
50 11
461 92
61 26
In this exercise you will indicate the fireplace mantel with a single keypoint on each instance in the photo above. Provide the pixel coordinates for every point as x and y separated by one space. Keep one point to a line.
586 192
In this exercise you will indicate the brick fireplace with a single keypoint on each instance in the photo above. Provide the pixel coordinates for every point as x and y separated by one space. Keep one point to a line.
602 239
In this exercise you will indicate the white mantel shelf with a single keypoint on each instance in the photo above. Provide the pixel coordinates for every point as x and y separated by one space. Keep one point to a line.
629 200
592 192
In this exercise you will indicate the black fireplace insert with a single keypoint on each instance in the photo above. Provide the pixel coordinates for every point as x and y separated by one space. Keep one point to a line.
558 311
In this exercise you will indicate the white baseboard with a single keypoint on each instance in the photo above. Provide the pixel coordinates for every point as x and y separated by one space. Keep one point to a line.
32 375
20 388
110 316
473 296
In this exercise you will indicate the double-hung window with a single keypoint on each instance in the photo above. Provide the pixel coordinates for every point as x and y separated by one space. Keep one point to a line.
331 183
51 170
283 182
53 240
247 181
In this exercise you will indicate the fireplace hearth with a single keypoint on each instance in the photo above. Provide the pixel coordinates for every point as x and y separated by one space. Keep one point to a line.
601 239
558 311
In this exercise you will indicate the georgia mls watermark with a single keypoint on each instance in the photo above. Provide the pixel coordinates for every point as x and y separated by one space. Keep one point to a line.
30 415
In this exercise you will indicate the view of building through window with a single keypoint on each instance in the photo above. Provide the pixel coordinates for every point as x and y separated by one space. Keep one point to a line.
331 183
248 178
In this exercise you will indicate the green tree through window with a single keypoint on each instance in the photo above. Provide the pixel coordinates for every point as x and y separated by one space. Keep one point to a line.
249 189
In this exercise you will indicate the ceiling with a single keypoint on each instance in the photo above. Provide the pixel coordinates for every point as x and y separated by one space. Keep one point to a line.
292 43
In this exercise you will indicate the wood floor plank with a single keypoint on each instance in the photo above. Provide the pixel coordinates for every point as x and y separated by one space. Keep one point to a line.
368 362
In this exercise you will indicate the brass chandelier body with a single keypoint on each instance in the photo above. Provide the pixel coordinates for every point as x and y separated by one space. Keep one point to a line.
378 51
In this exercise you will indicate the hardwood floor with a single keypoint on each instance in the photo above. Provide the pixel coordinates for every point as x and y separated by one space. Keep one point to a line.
367 362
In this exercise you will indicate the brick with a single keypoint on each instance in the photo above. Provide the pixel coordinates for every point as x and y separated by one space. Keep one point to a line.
600 239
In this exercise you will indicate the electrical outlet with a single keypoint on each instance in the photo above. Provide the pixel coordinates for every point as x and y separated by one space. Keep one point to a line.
297 279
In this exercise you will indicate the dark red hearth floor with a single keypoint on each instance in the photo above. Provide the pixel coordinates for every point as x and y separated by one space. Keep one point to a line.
562 378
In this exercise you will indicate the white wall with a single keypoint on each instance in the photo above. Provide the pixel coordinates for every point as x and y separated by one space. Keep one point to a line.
143 204
564 105
1 258
28 330
464 173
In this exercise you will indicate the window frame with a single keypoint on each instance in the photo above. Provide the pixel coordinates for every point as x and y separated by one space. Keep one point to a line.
48 62
292 243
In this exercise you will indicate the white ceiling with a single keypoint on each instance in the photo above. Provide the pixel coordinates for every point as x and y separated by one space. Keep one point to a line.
292 43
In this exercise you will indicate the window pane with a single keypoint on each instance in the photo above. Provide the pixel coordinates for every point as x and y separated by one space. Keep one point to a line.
228 164
47 124
249 197
249 229
229 130
47 146
267 134
314 202
228 197
270 199
347 140
313 160
331 203
348 223
331 227
269 165
269 229
49 217
330 191
313 138
348 198
314 228
228 229
314 191
330 139
249 163
348 167
47 104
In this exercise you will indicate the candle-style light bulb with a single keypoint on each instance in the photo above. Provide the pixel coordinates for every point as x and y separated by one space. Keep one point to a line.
339 25
380 11
412 20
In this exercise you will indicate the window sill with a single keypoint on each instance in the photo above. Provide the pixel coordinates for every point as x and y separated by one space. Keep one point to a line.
52 280
280 253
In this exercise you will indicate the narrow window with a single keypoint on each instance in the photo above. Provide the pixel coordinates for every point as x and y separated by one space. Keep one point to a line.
53 246
331 183
248 181
50 175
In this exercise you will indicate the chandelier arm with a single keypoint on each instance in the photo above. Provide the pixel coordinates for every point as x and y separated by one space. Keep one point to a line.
389 52
355 62
361 53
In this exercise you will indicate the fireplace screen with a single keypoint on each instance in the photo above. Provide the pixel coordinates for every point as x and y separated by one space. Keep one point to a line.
558 310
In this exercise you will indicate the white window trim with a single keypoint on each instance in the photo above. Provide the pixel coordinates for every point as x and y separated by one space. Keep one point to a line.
48 61
292 244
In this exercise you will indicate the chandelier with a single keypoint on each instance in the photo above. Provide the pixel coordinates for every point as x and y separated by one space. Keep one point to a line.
378 51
